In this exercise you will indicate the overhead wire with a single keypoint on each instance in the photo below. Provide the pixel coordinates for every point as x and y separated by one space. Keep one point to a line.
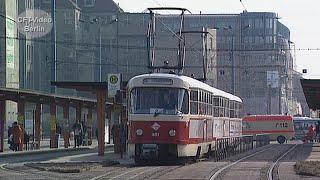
161 48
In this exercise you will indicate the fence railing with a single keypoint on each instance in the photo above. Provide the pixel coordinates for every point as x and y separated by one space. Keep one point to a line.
262 139
225 147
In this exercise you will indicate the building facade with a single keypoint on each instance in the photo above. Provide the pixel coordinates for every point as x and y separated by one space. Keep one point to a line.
9 52
249 54
254 58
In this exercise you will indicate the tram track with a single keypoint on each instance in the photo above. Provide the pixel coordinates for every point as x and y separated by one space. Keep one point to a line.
136 173
272 170
270 156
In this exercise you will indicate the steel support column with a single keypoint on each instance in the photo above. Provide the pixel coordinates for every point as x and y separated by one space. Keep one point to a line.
109 123
66 132
53 139
38 125
78 112
90 125
101 110
21 120
2 122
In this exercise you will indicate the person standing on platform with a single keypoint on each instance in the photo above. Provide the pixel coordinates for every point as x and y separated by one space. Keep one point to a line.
10 137
318 132
83 133
311 133
77 130
17 136
58 132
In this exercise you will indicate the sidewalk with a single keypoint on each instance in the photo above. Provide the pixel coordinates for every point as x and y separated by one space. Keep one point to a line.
86 156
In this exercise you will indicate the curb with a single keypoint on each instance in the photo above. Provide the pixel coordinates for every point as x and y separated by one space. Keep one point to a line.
32 152
45 151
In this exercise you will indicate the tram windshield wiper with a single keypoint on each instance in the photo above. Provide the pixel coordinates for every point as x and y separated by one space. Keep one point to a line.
157 112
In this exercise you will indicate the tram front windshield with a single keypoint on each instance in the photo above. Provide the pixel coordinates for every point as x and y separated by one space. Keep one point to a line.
159 101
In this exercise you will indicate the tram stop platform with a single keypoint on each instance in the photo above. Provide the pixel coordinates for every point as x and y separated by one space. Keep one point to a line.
71 154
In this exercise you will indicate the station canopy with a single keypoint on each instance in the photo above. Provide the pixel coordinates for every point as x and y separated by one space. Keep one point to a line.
311 90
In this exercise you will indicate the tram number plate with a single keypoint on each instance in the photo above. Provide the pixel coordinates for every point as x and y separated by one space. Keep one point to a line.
281 125
155 134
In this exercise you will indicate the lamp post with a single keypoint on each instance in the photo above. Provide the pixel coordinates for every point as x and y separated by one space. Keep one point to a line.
99 25
233 78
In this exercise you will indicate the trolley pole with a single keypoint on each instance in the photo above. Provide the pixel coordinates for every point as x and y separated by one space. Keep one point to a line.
121 127
269 99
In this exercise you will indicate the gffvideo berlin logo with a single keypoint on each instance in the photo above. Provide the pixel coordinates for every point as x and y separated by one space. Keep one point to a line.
34 23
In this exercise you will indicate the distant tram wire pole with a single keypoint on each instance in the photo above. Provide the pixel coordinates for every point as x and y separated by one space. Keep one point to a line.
243 6
53 46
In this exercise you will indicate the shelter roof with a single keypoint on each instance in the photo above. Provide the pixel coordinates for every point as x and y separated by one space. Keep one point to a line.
14 94
311 90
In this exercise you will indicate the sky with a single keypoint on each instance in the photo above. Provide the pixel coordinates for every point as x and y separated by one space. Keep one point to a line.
300 16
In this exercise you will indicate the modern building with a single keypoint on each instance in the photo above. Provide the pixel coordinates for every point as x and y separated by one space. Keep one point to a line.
254 58
9 52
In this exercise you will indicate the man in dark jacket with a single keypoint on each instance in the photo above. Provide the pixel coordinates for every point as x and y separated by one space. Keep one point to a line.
318 132
77 130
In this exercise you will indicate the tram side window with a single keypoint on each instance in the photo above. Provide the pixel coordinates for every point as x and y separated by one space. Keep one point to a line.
202 103
194 101
232 109
238 106
216 106
226 108
210 104
221 107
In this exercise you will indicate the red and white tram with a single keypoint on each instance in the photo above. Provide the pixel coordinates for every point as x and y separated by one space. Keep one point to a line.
177 116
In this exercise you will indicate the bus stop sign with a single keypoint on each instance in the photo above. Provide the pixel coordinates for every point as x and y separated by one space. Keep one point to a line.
114 81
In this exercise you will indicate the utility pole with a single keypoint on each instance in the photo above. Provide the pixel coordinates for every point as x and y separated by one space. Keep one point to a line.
100 50
280 95
99 25
269 99
53 46
233 73
233 64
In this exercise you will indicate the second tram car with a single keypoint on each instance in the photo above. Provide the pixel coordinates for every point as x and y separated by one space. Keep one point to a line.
174 116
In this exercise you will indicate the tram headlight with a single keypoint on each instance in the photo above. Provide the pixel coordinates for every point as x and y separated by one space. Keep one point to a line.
172 132
139 132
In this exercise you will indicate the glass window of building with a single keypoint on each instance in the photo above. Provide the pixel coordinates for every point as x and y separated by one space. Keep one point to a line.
89 3
68 17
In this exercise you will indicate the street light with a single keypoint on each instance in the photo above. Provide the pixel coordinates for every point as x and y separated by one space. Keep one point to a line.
99 25
233 78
